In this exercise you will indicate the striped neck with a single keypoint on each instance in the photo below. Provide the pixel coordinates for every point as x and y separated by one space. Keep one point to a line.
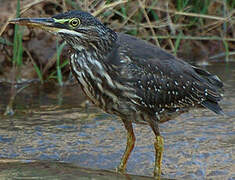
96 42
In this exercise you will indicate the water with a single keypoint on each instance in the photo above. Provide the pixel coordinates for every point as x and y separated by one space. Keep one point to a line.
57 125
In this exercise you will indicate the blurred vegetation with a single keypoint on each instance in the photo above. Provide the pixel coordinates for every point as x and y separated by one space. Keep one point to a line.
198 31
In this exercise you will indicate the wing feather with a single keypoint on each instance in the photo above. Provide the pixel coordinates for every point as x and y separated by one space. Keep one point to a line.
164 81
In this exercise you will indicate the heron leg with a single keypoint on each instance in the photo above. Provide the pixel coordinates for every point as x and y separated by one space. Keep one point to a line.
129 146
159 147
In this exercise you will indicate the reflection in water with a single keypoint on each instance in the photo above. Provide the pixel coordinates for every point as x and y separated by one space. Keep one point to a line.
46 126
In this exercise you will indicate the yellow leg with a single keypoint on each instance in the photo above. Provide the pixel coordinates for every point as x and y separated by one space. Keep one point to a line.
129 147
158 144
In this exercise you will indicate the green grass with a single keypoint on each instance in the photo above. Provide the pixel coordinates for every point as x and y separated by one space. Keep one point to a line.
59 49
38 71
17 44
18 52
54 74
57 74
16 61
18 47
226 50
177 43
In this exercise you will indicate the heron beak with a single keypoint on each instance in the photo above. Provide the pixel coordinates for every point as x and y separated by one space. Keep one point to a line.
47 24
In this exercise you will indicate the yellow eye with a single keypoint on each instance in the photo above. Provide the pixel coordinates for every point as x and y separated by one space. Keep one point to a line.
74 22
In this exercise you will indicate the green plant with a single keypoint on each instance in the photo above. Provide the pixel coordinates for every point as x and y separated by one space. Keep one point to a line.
59 49
17 44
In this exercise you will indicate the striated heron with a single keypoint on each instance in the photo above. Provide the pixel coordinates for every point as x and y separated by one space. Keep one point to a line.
129 77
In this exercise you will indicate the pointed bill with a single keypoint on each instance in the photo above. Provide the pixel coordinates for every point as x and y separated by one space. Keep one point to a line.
47 24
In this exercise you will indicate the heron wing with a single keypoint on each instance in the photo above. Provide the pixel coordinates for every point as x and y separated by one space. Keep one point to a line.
164 81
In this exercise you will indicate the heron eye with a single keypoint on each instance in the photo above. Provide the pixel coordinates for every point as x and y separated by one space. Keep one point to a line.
74 22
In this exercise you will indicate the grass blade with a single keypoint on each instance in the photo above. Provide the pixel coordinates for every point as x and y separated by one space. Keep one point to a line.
59 49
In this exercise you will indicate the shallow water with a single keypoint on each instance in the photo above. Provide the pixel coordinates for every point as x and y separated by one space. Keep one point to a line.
58 125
